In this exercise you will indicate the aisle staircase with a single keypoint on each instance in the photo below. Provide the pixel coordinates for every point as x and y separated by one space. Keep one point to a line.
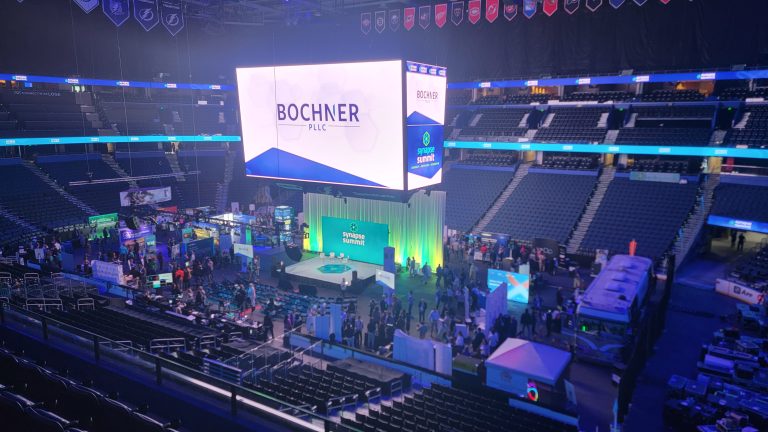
696 220
55 186
18 221
522 171
574 243
173 161
222 189
110 160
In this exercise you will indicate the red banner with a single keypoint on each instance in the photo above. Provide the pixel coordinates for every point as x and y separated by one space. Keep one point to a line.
549 7
441 14
410 17
474 11
491 10
664 1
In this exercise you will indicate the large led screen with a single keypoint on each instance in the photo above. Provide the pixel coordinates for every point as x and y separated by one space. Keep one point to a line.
517 284
425 108
331 123
358 240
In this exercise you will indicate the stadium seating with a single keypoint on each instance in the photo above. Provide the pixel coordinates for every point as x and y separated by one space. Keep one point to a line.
440 408
470 192
752 129
742 94
33 113
599 96
488 100
543 205
503 159
528 99
663 166
673 96
570 162
573 124
497 122
745 202
649 212
664 136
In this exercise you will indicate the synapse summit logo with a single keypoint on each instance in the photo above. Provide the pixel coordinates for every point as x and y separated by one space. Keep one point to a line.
318 117
352 236
426 153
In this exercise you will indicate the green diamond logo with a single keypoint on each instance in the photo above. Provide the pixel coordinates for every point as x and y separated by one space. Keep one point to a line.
425 139
353 227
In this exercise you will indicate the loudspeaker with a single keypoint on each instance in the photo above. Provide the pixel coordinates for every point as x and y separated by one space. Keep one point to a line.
132 223
293 252
309 290
354 275
389 259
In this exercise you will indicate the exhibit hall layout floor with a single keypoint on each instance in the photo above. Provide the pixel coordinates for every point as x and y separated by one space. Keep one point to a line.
331 270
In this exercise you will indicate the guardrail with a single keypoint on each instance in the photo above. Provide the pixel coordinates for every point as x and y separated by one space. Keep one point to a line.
239 397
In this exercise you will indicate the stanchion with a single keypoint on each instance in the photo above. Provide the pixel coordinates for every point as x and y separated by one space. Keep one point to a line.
2 313
158 371
233 400
44 322
96 348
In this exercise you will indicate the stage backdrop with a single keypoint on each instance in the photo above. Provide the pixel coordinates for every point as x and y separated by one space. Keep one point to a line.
415 228
356 239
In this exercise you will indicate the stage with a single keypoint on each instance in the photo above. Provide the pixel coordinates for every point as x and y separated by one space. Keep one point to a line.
326 271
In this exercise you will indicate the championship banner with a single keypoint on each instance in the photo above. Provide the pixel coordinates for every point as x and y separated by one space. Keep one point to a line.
664 1
549 7
457 12
380 21
571 6
616 3
424 16
409 17
172 15
510 9
491 10
365 22
474 11
394 19
87 5
146 13
441 14
145 196
530 7
640 2
593 4
117 11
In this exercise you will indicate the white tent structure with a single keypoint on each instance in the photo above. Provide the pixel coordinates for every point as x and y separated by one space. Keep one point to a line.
516 361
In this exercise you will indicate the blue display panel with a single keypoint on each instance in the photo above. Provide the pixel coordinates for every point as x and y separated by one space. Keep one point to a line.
517 284
739 224
112 83
12 142
616 79
425 110
613 148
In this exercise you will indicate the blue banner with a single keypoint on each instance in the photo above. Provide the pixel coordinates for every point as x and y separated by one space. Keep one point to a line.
593 4
118 11
87 5
530 7
172 15
146 13
616 3
746 225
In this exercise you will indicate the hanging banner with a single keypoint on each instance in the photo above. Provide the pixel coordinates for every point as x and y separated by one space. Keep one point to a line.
409 17
441 14
457 12
640 2
117 11
510 9
530 7
491 10
380 21
549 7
593 4
394 19
172 15
571 6
145 196
424 16
664 1
365 22
474 11
146 13
616 3
87 5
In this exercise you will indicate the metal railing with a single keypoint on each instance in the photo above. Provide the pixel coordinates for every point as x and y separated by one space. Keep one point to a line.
239 397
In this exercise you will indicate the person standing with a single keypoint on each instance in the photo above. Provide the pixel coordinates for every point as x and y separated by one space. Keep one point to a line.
422 310
525 320
740 247
734 237
434 317
269 327
439 275
343 287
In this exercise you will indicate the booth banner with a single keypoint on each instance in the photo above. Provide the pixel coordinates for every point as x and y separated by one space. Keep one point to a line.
145 196
106 271
201 248
245 250
336 321
738 291
225 242
118 11
414 351
146 13
172 15
495 305
87 5
235 207
129 234
386 278
323 326
550 248
443 358
731 223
